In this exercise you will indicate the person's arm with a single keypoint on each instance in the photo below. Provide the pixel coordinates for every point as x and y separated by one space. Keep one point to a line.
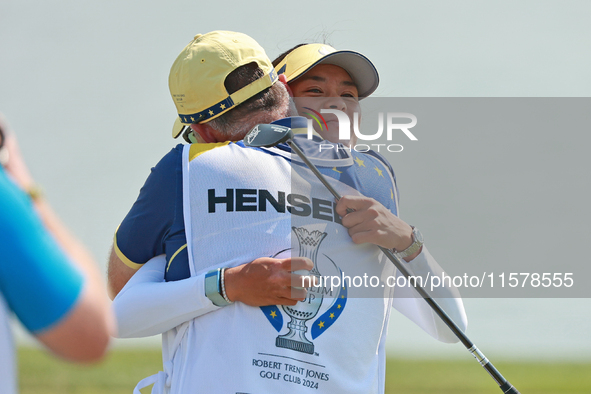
55 289
147 305
371 222
368 221
84 333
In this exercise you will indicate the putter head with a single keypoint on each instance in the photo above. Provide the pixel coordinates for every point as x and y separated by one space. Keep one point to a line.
267 135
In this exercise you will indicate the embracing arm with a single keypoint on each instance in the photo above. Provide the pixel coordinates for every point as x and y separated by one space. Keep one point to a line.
371 222
148 305
368 221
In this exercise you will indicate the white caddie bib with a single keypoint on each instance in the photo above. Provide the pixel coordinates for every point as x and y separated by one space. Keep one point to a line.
241 204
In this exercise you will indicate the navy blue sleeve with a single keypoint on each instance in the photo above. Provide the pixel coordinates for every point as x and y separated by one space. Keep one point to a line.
142 233
36 278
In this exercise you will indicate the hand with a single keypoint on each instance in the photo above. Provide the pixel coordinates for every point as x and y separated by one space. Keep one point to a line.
371 222
267 281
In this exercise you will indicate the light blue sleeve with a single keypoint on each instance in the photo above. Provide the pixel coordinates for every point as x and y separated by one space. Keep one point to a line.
36 278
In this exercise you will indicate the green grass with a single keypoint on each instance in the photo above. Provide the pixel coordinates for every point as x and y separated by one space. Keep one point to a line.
468 377
118 373
123 368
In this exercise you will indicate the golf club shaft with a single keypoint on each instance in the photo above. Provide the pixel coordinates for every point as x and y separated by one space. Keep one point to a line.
313 168
487 365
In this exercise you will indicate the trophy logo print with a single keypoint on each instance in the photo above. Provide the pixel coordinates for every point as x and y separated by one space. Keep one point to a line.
303 311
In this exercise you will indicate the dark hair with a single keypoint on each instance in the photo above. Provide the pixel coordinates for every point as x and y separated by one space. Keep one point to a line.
280 58
267 102
242 76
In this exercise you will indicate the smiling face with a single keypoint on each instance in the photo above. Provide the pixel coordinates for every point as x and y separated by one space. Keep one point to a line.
326 86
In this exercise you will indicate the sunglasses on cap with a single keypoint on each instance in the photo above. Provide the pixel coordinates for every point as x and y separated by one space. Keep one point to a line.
188 135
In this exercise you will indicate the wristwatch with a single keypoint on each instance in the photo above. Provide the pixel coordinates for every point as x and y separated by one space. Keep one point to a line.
414 247
213 287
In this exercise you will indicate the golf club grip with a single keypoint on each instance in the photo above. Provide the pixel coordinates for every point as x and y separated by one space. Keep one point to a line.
508 388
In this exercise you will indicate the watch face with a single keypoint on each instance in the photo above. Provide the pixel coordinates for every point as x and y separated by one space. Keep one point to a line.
418 235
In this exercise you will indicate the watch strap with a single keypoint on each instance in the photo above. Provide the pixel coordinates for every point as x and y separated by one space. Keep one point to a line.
213 289
417 242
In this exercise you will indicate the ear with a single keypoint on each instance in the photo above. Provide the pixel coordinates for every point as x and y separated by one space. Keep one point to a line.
283 80
203 133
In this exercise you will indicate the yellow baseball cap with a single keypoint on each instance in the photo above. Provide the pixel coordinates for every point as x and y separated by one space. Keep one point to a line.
196 79
304 57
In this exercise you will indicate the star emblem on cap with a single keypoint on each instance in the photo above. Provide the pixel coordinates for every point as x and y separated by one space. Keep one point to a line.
223 106
210 113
